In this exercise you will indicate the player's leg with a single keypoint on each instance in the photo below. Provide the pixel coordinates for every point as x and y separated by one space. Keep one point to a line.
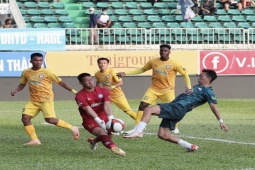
50 117
30 111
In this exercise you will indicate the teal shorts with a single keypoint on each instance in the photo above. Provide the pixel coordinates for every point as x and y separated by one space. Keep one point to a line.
171 113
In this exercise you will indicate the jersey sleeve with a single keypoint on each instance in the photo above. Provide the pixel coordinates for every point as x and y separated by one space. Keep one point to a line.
115 77
23 79
81 101
211 97
147 66
54 77
180 69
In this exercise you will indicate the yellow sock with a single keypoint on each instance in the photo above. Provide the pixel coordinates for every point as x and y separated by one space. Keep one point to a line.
132 114
138 117
30 129
63 124
177 125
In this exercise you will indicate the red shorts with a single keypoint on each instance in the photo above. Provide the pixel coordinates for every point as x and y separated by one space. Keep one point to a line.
91 124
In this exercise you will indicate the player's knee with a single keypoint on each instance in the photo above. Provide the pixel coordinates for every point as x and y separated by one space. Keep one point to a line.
50 120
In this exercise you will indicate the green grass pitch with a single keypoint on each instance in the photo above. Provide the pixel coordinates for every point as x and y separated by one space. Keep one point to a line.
234 150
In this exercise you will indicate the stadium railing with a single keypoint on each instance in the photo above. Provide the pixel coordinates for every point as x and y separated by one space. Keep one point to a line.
17 14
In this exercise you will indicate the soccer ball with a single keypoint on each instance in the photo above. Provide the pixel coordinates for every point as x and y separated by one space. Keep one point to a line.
116 125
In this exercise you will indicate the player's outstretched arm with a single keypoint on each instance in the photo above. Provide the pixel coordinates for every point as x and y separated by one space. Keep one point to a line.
136 71
65 86
19 88
218 116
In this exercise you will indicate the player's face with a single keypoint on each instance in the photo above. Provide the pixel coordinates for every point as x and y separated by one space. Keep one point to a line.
36 62
87 82
103 64
164 53
203 78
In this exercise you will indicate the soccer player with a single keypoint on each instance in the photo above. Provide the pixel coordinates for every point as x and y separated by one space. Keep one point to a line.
107 78
95 110
41 98
176 110
164 70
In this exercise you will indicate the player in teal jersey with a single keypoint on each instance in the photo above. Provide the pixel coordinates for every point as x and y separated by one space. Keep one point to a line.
173 112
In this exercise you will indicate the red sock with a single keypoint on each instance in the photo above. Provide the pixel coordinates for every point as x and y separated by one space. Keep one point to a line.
96 140
107 142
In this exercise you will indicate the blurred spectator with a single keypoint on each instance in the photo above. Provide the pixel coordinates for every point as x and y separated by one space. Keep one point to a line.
227 3
195 8
184 5
104 20
8 23
208 7
93 18
246 3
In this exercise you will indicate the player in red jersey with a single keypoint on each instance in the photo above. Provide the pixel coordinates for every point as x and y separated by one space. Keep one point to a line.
95 110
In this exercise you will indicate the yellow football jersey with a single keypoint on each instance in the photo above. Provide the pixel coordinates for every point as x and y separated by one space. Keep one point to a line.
109 78
164 73
40 83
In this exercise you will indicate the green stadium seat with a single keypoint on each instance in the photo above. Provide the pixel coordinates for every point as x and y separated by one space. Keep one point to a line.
168 18
146 25
135 12
158 25
129 25
65 19
43 5
123 39
215 25
178 18
220 31
33 12
167 39
47 12
19 4
233 12
238 38
73 6
124 18
50 19
201 25
117 25
30 5
195 39
120 12
137 39
219 5
238 18
76 13
163 32
172 5
29 25
117 5
25 18
232 27
197 18
102 5
37 19
175 12
221 12
210 18
168 0
23 12
229 25
107 39
163 12
87 5
244 25
119 32
58 5
40 25
248 12
251 39
210 39
131 5
68 25
160 5
110 12
182 39
145 5
153 39
192 31
77 40
173 25
113 18
187 25
139 18
134 32
53 25
73 32
153 18
61 12
250 18
225 39
224 18
206 32
149 12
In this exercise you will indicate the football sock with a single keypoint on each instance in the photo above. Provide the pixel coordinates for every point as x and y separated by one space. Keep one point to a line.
132 114
184 144
107 142
96 140
63 124
140 127
138 117
30 129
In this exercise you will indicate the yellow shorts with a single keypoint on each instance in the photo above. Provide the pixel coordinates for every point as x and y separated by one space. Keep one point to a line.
121 102
151 96
33 109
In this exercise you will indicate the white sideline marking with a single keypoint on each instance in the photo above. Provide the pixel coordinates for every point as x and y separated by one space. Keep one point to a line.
210 139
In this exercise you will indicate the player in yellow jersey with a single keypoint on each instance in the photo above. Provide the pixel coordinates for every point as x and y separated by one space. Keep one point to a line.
108 78
164 70
40 81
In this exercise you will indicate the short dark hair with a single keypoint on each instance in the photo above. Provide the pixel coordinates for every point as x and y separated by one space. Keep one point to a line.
104 9
36 55
211 73
80 76
102 58
165 46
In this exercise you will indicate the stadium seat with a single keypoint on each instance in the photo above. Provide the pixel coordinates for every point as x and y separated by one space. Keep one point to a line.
77 40
229 25
120 12
129 25
50 19
133 32
225 38
138 39
135 12
61 12
145 5
195 39
221 12
238 39
58 5
47 12
73 6
238 18
167 39
163 32
168 18
26 19
197 18
173 25
43 5
244 25
250 18
192 31
224 18
215 25
123 39
146 25
153 18
149 12
102 5
33 12
53 25
107 39
210 18
187 25
248 12
172 5
158 25
30 4
182 39
40 25
178 18
163 12
87 5
77 13
131 5
220 31
175 12
64 19
68 25
232 28
20 5
139 18
233 12
206 32
29 25
73 32
153 39
160 5
117 5
124 19
35 19
201 25
113 18
210 39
